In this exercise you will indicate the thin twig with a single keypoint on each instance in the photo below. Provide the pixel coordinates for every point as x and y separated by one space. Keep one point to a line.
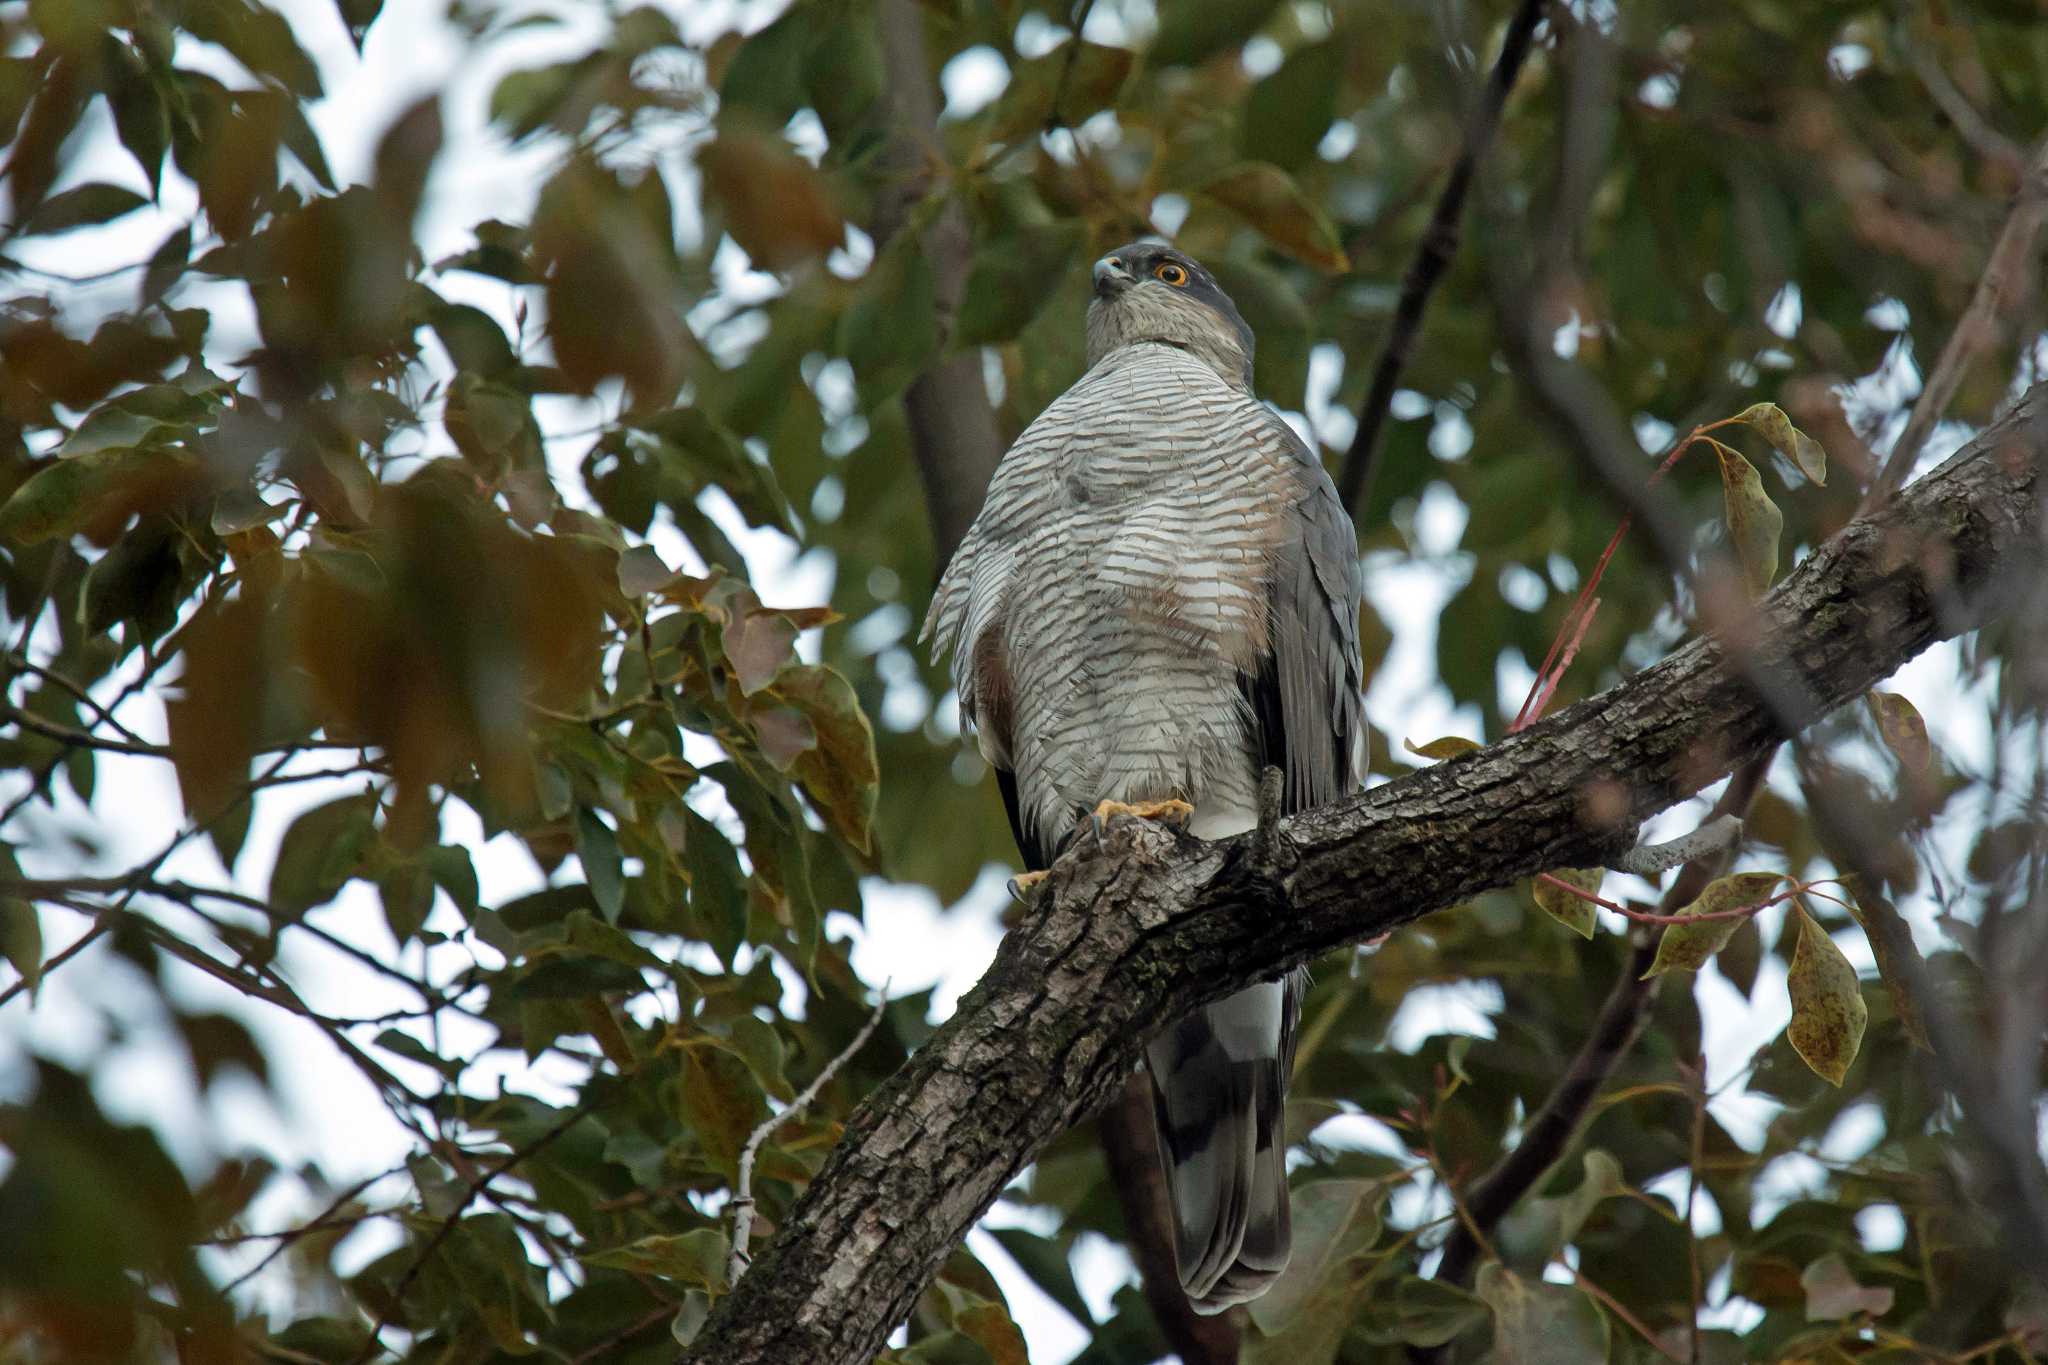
743 1188
447 1228
1696 1078
78 945
2010 260
1433 256
325 1219
1613 1305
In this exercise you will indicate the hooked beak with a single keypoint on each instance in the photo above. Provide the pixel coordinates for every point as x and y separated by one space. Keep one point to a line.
1111 279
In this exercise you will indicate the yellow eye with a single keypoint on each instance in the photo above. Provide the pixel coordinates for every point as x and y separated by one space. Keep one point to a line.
1172 274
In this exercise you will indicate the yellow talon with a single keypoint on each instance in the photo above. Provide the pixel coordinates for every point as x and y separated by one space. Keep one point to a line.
1021 885
1172 809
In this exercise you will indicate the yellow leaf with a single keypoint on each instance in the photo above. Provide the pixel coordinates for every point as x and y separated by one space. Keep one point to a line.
1573 912
1901 728
1828 1013
1686 947
1770 422
1450 746
1754 521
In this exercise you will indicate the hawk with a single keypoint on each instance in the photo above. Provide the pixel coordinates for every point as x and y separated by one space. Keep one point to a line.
1158 600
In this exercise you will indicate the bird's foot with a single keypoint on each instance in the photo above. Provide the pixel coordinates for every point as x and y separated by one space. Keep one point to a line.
1023 884
1173 810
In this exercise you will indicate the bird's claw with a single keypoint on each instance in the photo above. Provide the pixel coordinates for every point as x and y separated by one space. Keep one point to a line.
1173 810
1022 884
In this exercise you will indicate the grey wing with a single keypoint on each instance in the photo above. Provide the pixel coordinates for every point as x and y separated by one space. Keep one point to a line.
1307 698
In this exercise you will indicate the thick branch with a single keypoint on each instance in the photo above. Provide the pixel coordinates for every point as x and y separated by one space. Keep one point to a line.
1123 940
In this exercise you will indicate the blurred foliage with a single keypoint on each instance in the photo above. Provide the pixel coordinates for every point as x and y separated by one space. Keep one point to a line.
282 477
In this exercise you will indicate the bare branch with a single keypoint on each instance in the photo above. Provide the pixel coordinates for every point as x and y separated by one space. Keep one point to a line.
743 1188
2010 265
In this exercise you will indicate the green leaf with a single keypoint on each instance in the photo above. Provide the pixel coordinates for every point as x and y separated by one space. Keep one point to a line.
1063 87
1573 912
1537 1230
1287 113
598 848
889 332
1268 199
407 893
761 1047
1899 963
1190 30
1770 422
1335 1221
1832 1293
722 1103
1431 1313
765 79
357 16
1901 728
1013 277
142 119
454 873
1538 1323
166 264
1828 1013
66 492
696 1257
21 941
85 206
1686 947
320 852
1754 521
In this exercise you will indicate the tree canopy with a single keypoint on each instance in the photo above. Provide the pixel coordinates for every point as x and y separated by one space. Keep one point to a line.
423 572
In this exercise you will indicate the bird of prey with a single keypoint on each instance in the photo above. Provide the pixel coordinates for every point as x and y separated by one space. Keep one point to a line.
1159 599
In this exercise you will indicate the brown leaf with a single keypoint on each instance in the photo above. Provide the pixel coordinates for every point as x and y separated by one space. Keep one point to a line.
1267 198
777 207
838 772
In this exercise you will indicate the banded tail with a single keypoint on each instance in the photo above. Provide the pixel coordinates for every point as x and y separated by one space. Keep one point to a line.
1219 1089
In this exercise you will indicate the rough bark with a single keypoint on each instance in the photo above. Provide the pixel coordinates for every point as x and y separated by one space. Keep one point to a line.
1122 939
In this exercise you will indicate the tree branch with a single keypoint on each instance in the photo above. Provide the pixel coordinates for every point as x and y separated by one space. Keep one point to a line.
1432 257
953 435
1159 922
2011 262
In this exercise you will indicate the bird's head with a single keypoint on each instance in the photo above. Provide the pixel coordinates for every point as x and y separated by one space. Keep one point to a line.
1147 291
